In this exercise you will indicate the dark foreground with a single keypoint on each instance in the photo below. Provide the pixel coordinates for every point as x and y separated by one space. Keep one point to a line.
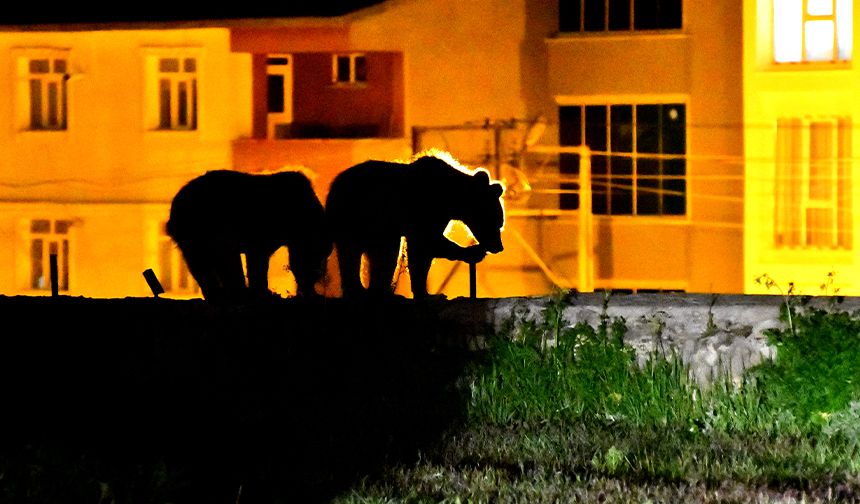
152 400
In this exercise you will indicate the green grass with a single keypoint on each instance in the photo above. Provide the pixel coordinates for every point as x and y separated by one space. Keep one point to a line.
564 414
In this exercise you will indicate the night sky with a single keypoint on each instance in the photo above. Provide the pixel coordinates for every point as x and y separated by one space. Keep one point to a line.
162 10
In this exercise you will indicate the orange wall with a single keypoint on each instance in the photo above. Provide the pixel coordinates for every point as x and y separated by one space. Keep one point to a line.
289 39
317 101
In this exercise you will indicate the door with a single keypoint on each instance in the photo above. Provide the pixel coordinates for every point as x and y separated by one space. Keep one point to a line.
279 76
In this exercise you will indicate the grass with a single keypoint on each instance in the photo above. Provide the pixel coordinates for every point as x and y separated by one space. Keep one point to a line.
564 414
268 405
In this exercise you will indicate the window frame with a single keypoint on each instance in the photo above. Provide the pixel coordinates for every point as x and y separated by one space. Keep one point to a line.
64 241
805 17
634 101
353 79
608 19
153 89
23 102
783 239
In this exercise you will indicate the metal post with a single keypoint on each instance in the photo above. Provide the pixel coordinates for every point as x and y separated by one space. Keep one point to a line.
497 150
55 287
152 281
585 255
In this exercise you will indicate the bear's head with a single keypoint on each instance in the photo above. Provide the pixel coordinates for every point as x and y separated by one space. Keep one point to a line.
484 212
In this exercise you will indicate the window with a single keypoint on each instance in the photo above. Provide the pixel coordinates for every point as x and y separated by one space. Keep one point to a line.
812 30
813 183
49 238
638 164
174 275
349 68
619 15
177 93
279 96
47 78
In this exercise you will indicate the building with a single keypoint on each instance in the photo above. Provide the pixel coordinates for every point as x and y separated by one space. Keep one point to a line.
110 119
801 113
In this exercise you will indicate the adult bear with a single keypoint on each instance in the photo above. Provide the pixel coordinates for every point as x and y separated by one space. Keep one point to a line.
370 206
221 214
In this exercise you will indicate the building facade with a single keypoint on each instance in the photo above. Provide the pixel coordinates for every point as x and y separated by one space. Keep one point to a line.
100 127
801 112
103 124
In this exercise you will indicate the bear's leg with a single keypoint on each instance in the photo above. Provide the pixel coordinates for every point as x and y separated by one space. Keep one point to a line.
349 265
199 263
307 268
258 272
231 277
383 257
418 261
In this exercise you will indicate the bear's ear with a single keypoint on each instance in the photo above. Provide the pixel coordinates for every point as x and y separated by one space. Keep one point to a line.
482 177
497 189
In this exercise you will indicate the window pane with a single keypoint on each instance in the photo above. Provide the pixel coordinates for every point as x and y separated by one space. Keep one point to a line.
570 121
63 104
595 127
569 15
190 65
819 227
819 40
621 124
645 15
569 169
37 273
621 187
599 185
60 66
787 31
36 104
342 69
674 187
647 186
165 268
619 14
819 7
673 129
844 28
64 266
360 69
595 15
62 226
164 104
648 128
657 14
276 93
53 105
182 102
821 161
570 133
278 61
40 66
168 65
40 226
193 124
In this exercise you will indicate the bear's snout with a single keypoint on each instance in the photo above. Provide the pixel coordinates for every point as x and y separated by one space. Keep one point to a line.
495 247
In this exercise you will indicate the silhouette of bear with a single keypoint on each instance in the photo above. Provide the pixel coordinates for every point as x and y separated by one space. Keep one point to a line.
371 205
221 214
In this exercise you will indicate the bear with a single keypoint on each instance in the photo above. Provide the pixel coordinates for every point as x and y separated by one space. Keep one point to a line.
371 206
221 214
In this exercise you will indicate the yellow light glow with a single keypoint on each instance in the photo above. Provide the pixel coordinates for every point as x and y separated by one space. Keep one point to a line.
459 233
821 34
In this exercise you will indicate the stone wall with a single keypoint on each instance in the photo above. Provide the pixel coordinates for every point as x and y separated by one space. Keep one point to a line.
712 334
